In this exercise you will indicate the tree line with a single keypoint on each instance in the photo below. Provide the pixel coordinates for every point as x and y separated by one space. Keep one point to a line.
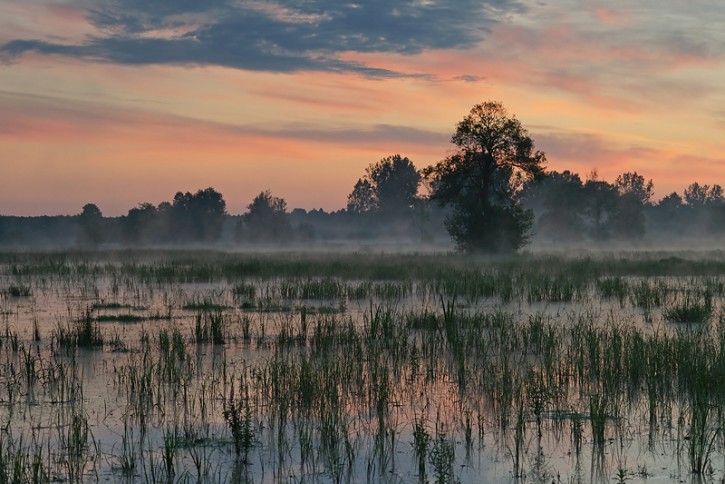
492 194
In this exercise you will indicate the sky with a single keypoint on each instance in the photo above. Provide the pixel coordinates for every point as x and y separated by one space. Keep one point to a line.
119 102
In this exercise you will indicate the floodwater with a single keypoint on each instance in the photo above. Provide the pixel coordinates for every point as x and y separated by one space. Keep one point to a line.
377 383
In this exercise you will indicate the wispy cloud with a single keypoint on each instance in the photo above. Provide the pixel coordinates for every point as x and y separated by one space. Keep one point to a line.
37 117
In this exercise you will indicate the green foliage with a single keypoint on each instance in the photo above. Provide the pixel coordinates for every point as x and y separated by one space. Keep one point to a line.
18 290
691 308
442 456
421 445
238 416
209 327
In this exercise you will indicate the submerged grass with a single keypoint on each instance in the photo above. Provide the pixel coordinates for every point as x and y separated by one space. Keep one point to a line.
439 353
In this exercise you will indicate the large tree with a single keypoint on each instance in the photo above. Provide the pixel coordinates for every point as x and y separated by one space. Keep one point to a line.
480 181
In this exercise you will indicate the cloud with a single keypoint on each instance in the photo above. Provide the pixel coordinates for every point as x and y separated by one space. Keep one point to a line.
590 148
376 134
41 118
469 78
282 36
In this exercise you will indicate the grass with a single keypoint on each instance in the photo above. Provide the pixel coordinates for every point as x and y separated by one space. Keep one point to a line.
692 308
369 368
18 290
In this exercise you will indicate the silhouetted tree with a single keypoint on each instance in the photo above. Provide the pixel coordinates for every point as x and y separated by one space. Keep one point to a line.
666 215
697 195
480 181
389 188
628 217
91 229
267 219
140 224
601 198
705 208
635 184
395 181
362 198
198 216
559 198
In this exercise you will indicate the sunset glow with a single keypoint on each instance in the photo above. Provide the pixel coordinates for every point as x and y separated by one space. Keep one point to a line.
118 109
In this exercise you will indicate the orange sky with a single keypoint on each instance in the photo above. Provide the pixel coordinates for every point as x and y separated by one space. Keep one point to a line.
92 112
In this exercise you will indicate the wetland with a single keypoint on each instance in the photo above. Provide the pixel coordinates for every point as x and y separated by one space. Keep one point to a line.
174 366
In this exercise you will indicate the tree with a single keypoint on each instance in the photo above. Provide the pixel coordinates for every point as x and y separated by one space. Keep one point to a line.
198 216
697 195
395 183
481 180
139 223
705 208
362 198
559 198
632 183
601 198
628 219
91 229
666 215
389 187
267 218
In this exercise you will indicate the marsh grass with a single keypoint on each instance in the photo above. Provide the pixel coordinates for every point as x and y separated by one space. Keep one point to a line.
442 457
692 307
205 305
115 305
326 389
614 288
238 417
18 290
82 333
421 445
209 327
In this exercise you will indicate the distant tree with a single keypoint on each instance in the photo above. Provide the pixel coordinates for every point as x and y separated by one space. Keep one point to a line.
627 218
559 198
601 199
91 225
671 202
389 187
628 213
666 215
395 181
199 216
480 181
267 218
696 195
634 184
362 199
140 223
705 208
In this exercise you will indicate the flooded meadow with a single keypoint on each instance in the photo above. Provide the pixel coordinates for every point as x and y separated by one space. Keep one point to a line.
173 366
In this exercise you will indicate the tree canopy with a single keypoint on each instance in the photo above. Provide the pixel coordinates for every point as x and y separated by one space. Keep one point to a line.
481 180
389 187
267 219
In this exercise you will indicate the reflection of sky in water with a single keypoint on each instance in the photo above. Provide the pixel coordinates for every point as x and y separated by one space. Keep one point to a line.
438 403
